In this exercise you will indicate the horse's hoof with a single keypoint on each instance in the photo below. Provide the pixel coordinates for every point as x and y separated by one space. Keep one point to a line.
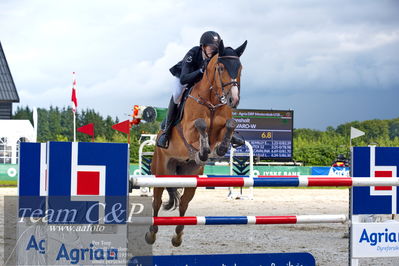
203 157
150 238
198 160
231 124
176 241
220 151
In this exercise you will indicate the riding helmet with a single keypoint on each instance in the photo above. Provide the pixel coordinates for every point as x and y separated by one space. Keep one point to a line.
210 38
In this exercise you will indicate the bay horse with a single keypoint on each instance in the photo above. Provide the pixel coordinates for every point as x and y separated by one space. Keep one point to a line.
205 131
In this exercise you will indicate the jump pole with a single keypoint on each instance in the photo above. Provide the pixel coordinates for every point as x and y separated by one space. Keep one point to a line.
239 220
253 181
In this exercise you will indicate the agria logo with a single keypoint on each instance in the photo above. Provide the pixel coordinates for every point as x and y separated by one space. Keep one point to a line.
74 183
374 238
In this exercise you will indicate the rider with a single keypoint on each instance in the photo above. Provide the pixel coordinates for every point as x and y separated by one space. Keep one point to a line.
188 72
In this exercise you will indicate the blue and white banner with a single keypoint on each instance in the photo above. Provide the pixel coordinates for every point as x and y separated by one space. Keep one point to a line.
375 162
331 171
91 178
254 259
32 183
72 203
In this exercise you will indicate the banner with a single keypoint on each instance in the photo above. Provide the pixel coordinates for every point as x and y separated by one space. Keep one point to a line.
72 204
331 171
8 172
375 239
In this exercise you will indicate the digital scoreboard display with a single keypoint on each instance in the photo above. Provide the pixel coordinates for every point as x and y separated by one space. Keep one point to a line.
270 132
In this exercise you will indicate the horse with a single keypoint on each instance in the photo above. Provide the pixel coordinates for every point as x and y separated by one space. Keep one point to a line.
205 131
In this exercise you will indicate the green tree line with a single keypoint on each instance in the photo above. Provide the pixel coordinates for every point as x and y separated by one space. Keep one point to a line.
312 147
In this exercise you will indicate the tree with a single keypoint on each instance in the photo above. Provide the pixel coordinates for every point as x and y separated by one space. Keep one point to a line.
313 147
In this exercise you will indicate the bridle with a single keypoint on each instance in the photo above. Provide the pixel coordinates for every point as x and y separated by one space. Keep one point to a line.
233 82
222 98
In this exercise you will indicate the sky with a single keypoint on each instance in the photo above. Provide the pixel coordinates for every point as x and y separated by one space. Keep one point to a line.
331 62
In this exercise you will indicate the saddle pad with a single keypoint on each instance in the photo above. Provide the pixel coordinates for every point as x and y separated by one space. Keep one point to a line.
180 109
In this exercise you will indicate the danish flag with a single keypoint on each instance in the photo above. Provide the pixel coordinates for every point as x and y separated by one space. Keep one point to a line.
74 99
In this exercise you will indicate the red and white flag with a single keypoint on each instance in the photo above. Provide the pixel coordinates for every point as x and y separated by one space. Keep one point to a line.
73 98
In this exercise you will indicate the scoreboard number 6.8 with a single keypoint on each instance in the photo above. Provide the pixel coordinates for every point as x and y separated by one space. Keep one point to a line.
266 135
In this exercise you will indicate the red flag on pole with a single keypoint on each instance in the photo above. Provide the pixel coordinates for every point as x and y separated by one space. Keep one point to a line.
123 127
73 97
87 129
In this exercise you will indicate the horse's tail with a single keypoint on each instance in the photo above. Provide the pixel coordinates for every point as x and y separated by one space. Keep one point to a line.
174 199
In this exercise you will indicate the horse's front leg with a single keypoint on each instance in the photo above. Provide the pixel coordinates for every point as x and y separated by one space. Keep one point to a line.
222 148
204 148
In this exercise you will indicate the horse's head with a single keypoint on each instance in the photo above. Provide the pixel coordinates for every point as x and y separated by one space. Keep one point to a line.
227 68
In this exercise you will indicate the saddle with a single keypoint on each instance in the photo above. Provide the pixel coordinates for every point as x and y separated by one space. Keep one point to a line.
180 109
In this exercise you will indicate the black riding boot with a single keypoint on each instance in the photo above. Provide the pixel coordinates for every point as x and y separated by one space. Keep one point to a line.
237 140
163 140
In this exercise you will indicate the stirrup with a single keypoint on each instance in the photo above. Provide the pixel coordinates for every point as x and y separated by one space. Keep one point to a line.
166 144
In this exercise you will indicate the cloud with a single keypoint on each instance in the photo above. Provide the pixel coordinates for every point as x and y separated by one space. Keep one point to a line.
122 51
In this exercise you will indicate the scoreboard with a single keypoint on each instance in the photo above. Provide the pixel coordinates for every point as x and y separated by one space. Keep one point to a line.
270 132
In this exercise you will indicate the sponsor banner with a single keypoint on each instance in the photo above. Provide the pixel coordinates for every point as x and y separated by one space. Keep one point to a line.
44 244
259 170
375 239
8 172
282 170
33 241
375 162
73 203
331 171
256 259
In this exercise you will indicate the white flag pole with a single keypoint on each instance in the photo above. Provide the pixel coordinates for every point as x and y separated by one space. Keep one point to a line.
74 127
74 105
35 124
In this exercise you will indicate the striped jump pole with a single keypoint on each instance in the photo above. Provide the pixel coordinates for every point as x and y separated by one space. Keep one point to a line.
237 220
261 181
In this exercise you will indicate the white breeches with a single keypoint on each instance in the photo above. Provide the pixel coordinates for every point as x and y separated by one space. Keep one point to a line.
178 89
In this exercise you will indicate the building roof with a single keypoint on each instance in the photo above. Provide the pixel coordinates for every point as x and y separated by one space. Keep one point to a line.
8 91
15 128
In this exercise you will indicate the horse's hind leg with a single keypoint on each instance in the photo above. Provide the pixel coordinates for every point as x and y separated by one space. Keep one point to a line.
204 151
184 201
222 148
151 235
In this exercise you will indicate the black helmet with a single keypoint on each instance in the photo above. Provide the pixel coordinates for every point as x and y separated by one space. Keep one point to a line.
210 38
